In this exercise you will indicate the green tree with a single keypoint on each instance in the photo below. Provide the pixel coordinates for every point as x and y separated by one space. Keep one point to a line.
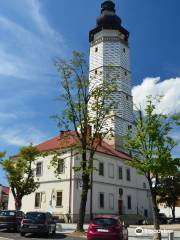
151 148
169 192
88 109
19 170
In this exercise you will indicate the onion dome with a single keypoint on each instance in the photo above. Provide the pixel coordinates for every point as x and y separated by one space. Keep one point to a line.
108 16
108 20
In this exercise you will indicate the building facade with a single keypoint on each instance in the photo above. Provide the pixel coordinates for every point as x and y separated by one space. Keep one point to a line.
117 188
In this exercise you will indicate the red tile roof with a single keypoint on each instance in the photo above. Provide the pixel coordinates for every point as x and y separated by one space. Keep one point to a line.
69 139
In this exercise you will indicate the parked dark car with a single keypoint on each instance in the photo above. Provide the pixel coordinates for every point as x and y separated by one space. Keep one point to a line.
38 222
11 219
105 227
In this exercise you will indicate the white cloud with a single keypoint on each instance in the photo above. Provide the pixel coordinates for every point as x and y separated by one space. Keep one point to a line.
41 21
21 135
170 89
25 50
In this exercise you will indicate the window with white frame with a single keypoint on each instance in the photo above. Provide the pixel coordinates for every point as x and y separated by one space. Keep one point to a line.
38 198
101 200
111 170
59 198
61 166
39 169
111 201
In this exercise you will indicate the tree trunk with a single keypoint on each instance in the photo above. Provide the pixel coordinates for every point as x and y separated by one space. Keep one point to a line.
157 234
82 209
18 203
173 212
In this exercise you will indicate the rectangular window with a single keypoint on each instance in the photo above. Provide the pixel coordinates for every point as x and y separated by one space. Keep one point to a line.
146 213
129 127
120 192
39 169
37 200
96 49
101 200
101 169
59 199
111 170
120 173
129 202
111 201
144 185
128 174
61 167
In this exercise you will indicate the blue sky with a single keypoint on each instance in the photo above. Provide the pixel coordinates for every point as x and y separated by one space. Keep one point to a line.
34 32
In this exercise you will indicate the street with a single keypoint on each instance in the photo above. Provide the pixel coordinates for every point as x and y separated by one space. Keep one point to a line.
16 236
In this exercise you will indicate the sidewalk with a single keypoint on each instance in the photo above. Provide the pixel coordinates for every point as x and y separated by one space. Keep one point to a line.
68 227
173 227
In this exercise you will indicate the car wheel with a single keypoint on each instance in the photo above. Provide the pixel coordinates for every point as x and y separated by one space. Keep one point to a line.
49 233
54 232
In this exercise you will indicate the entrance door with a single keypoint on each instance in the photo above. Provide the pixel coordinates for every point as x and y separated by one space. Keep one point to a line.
120 207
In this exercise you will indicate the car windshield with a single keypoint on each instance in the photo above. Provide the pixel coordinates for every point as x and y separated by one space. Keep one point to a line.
35 216
7 213
105 221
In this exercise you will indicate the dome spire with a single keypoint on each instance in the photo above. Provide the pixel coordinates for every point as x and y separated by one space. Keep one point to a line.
108 20
108 16
108 6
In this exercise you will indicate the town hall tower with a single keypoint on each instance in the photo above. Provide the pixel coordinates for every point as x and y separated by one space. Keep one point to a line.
109 46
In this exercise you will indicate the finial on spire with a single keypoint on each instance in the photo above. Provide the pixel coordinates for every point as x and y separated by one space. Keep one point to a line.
108 5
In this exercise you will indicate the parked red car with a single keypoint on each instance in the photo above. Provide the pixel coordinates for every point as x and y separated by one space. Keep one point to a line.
105 227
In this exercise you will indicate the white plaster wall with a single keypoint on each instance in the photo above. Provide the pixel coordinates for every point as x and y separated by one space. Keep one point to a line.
140 197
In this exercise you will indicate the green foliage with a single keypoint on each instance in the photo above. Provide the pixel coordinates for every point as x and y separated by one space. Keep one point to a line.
89 105
19 170
152 143
151 147
169 191
176 118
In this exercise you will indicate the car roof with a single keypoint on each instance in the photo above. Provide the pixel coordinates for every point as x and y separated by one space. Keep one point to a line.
107 216
36 212
9 211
